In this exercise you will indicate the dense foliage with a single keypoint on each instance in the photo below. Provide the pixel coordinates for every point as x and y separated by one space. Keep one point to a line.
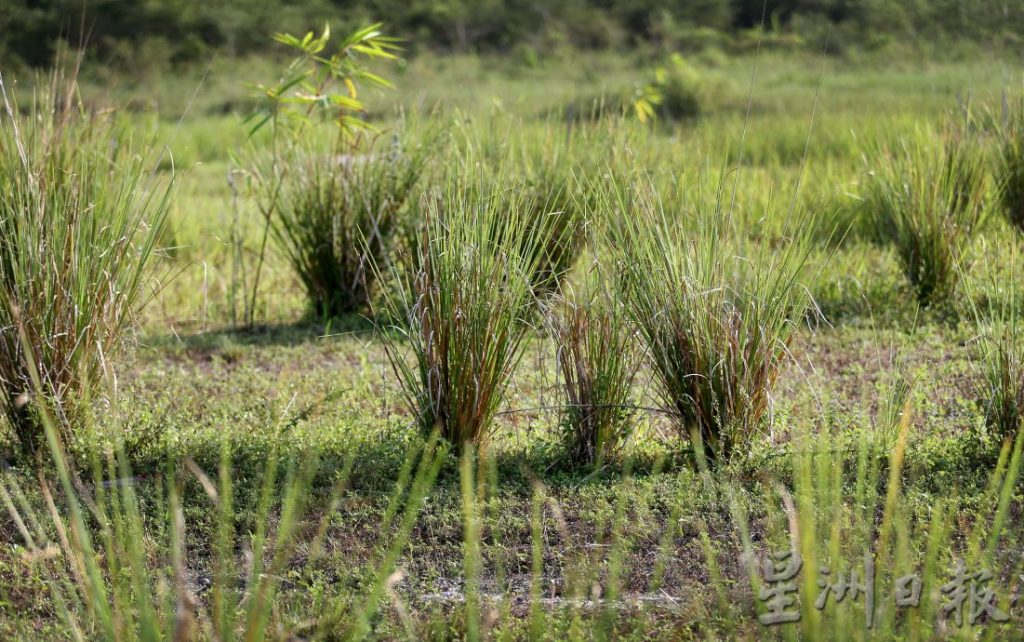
159 31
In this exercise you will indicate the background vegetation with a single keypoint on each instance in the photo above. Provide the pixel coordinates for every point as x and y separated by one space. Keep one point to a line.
160 32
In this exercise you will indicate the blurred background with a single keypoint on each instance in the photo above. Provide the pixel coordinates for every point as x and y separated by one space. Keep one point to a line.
157 33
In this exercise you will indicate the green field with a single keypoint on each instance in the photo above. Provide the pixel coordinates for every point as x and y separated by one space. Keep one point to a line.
273 479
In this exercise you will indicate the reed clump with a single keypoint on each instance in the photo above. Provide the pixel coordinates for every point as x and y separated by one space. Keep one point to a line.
81 215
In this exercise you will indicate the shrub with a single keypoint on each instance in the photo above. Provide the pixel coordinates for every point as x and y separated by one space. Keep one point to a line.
330 206
464 300
1010 162
336 216
716 313
927 198
673 94
597 364
80 215
679 84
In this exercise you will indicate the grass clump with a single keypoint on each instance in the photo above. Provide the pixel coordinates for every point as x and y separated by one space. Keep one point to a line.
716 314
538 181
464 305
80 218
1000 340
1002 368
1009 169
553 206
926 198
336 215
597 364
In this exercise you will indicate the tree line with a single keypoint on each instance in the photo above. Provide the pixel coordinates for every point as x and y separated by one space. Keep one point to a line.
177 31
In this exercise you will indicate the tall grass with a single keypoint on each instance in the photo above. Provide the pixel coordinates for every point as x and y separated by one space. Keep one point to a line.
554 206
464 305
716 312
597 361
926 197
80 216
1002 367
536 176
120 576
1009 168
897 391
1000 340
334 216
839 516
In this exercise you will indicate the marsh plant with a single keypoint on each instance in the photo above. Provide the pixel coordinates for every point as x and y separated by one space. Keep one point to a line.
553 209
598 363
1009 166
80 218
1000 339
716 313
337 215
464 306
331 206
926 197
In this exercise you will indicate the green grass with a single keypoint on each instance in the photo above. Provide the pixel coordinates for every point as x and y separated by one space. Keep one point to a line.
336 216
465 302
80 220
926 196
1009 166
283 481
598 363
1001 363
715 311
